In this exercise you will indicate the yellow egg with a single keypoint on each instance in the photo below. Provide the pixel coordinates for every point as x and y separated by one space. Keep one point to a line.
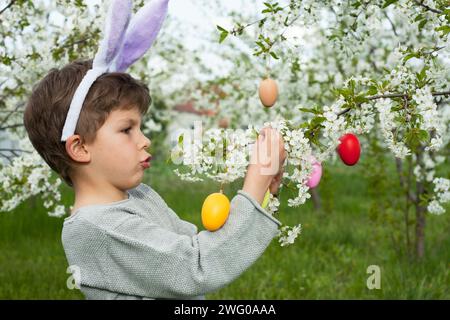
215 210
268 92
266 199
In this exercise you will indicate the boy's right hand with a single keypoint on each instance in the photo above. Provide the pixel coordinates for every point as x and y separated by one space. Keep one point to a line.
266 162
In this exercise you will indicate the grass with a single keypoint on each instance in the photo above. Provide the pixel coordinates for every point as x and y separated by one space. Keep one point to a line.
328 261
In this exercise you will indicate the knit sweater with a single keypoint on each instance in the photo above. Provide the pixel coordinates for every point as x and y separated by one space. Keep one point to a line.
138 248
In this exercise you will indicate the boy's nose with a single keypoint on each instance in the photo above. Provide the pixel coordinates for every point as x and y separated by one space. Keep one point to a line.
146 142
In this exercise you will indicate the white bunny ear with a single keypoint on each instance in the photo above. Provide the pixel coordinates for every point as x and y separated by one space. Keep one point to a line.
142 32
116 24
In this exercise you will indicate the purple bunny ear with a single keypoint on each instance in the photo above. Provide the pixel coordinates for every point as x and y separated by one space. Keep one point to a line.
142 32
116 24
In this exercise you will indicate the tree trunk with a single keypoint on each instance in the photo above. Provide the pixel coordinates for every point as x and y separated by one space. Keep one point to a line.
420 224
315 198
420 210
409 198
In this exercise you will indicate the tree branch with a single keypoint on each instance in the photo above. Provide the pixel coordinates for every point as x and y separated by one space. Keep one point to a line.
403 184
428 8
13 150
71 44
391 22
3 121
235 32
12 126
8 6
394 95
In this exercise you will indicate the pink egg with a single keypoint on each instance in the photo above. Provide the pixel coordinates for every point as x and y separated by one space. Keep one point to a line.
316 174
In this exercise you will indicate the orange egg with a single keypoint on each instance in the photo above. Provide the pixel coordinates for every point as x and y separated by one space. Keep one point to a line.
224 123
215 210
268 92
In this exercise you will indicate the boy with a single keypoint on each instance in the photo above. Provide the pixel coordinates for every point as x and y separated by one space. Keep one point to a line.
125 240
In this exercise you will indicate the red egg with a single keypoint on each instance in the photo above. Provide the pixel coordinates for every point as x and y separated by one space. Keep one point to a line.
349 149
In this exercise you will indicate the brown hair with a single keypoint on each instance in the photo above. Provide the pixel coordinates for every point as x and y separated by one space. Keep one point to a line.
47 107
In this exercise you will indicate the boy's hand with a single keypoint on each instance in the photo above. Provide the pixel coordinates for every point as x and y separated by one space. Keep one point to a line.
276 181
266 161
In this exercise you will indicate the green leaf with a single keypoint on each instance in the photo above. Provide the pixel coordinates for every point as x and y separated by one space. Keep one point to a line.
372 90
261 45
422 74
223 33
317 120
361 99
223 36
409 56
261 23
267 40
5 60
397 108
303 125
309 110
388 3
419 17
444 29
423 135
422 24
221 29
274 55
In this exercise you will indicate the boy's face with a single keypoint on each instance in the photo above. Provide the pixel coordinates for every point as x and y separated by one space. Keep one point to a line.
119 149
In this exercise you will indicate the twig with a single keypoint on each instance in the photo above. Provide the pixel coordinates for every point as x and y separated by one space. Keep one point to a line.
258 21
428 8
12 150
391 22
12 126
70 44
10 113
433 51
8 6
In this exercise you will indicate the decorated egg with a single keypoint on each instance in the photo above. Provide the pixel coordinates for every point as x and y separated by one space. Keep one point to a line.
316 173
224 123
266 199
215 210
268 92
349 149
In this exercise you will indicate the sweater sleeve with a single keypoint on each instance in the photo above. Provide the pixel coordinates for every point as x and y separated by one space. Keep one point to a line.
182 226
145 259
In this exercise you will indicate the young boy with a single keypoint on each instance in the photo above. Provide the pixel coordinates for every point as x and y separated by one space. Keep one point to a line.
121 235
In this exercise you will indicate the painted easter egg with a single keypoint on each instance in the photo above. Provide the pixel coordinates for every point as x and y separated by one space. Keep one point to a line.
266 199
268 92
215 210
316 173
349 149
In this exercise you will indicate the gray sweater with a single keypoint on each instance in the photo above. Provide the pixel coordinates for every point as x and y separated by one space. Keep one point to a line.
138 248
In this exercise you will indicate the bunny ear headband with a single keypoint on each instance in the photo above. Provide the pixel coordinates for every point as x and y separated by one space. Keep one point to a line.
124 42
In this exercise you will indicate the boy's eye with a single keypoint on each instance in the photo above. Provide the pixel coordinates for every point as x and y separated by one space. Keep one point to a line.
127 130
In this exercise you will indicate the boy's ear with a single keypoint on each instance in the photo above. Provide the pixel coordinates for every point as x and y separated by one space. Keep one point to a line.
76 149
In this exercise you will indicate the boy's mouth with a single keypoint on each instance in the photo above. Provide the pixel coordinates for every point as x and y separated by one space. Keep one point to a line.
146 163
